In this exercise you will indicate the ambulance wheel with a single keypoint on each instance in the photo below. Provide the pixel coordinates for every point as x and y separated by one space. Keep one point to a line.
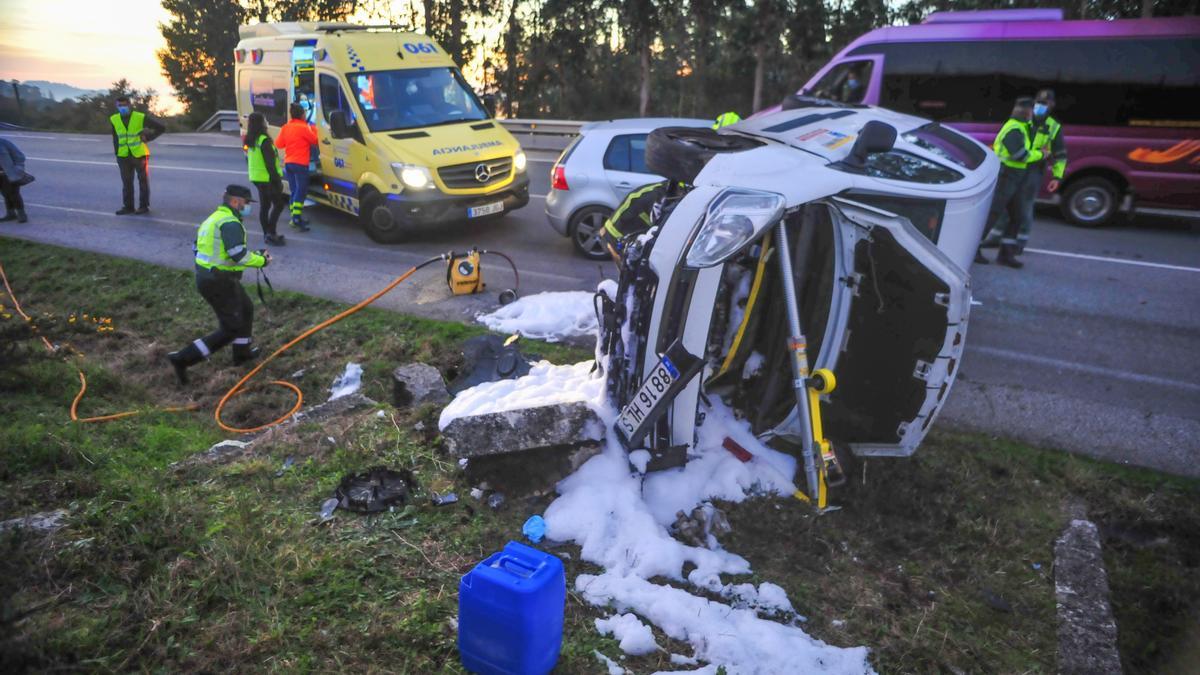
586 230
680 153
379 221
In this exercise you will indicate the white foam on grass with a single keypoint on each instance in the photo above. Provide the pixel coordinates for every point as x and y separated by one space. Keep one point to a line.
621 521
551 316
609 664
635 637
348 382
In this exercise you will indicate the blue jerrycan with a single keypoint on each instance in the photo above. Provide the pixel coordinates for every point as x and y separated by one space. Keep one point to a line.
510 613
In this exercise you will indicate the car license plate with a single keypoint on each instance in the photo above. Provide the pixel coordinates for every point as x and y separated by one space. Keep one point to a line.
485 210
652 390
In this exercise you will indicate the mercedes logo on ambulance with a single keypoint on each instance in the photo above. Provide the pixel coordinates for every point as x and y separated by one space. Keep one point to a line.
482 173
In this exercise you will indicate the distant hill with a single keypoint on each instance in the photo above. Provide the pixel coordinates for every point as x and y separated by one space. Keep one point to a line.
59 90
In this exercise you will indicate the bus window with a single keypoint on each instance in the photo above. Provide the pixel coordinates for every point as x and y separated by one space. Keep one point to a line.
845 82
269 96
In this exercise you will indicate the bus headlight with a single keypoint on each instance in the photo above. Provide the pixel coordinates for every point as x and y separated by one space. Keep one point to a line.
733 219
413 176
520 160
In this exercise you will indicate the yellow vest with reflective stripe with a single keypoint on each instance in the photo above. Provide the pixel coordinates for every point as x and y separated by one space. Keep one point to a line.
129 139
210 248
257 165
725 119
1042 139
1002 152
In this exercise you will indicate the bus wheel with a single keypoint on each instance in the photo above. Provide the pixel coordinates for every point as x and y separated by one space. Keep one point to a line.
379 221
1090 202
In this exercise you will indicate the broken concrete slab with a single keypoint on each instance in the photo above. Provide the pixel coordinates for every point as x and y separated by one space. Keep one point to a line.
46 522
500 433
416 384
231 450
1087 632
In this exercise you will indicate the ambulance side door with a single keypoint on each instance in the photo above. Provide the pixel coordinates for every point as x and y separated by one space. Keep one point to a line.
341 159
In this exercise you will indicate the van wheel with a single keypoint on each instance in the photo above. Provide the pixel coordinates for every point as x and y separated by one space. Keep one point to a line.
1090 201
680 153
379 221
586 230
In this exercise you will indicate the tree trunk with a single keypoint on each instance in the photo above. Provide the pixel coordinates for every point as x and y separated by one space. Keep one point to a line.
1147 9
429 7
644 94
760 67
701 65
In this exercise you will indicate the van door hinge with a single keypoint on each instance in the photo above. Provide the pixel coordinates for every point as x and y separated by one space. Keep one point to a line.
942 299
922 371
853 281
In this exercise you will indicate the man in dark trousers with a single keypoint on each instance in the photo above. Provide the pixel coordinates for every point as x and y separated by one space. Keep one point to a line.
12 177
132 130
1015 147
221 256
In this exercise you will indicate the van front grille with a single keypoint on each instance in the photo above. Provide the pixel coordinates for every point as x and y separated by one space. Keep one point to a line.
467 176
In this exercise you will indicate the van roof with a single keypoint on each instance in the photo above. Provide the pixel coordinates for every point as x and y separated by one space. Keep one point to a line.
308 28
643 123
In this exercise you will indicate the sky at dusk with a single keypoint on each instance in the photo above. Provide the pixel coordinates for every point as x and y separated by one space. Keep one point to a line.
84 43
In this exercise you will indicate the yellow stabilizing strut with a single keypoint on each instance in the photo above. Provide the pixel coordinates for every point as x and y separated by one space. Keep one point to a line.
821 382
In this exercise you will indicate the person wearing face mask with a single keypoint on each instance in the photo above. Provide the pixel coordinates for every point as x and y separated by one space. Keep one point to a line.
221 257
131 132
1048 137
1015 147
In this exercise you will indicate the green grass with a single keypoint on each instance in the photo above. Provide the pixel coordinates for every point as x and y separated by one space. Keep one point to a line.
223 567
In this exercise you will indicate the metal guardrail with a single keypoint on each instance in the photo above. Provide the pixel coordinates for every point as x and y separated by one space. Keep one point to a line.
549 135
222 120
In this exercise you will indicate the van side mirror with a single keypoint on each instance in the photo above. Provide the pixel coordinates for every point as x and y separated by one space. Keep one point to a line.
875 136
339 125
489 104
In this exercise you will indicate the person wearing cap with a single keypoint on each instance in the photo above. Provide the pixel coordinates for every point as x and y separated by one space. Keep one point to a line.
1048 137
221 257
1015 147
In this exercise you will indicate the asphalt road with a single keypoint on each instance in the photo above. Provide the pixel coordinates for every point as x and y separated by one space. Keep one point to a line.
1091 348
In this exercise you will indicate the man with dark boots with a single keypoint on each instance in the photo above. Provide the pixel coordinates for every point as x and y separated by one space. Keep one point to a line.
12 177
131 131
221 256
1015 147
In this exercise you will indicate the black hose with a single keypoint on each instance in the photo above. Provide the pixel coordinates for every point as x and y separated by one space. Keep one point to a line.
513 265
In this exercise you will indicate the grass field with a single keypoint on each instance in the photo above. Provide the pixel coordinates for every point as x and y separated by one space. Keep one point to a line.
938 563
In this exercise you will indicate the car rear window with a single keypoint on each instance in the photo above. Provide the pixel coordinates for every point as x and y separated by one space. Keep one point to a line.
566 154
900 165
947 144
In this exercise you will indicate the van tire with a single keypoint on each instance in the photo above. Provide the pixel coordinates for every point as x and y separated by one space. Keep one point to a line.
584 223
680 153
378 220
1090 201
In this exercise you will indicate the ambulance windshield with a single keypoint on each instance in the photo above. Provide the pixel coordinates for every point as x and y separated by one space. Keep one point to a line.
414 97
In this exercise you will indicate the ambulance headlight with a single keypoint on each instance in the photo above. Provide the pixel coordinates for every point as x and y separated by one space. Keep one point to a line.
520 160
733 219
413 176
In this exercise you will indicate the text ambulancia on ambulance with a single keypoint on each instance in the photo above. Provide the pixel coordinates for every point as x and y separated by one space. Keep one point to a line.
404 141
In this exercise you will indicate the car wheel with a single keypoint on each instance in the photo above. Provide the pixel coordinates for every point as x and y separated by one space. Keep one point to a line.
680 153
379 221
586 229
1090 202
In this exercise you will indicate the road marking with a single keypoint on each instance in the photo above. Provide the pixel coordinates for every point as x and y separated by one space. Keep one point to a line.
538 196
1122 261
416 257
541 161
54 138
153 167
1084 367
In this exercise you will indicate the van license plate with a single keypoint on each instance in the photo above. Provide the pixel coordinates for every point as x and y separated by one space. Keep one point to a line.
485 210
652 390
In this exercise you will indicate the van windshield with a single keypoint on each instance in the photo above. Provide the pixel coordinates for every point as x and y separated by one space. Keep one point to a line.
414 97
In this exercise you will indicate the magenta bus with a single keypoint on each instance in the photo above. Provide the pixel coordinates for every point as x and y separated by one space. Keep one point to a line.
1128 95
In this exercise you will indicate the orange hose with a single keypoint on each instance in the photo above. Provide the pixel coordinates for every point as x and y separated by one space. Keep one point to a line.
237 388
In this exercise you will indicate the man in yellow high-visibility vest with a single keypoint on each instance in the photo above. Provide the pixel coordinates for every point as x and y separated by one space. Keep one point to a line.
1014 145
131 131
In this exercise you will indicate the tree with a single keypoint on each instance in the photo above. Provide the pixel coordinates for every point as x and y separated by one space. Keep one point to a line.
198 58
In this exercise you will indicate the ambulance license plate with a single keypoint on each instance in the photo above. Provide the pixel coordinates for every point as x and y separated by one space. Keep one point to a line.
485 210
652 390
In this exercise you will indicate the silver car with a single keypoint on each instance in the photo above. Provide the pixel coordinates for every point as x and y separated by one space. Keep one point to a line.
594 174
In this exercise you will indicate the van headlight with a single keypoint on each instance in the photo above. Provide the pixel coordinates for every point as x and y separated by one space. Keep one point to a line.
520 160
413 176
733 219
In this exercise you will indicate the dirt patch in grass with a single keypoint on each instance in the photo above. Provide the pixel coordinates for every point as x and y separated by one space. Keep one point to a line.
941 563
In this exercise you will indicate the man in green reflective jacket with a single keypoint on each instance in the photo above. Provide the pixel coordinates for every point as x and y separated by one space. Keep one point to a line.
1014 147
221 256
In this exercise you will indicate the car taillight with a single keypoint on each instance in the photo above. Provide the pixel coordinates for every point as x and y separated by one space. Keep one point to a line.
558 178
